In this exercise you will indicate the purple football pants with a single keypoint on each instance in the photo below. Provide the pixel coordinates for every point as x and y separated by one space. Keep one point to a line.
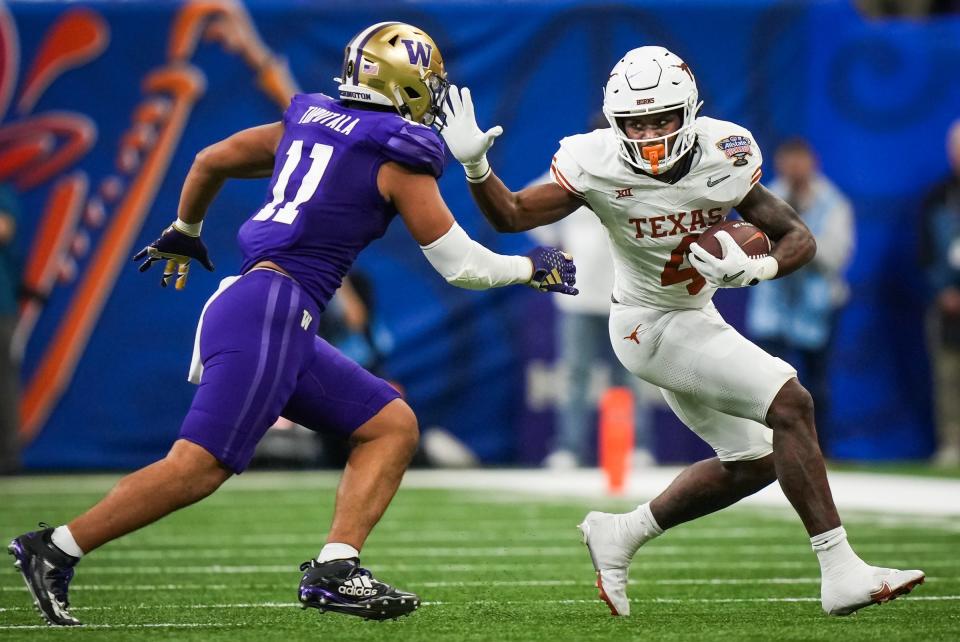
262 360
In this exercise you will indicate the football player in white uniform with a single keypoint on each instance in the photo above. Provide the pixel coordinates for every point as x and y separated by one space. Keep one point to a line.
656 179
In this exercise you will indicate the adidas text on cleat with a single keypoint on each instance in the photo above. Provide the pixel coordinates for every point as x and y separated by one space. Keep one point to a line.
865 586
47 572
342 586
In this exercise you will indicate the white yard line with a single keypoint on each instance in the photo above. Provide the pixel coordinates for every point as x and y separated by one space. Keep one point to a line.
641 563
572 549
160 625
544 531
705 581
561 530
678 600
147 607
468 603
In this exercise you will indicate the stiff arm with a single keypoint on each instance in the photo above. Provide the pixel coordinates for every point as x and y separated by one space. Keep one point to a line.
460 260
531 207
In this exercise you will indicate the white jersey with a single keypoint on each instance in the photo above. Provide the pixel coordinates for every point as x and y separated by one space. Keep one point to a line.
650 223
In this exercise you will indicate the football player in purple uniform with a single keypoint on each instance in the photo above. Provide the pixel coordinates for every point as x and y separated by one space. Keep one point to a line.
341 170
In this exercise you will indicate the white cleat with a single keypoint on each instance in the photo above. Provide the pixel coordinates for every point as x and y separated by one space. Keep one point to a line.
611 551
865 586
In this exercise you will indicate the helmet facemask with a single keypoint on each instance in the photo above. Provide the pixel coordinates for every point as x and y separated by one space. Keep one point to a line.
655 155
647 81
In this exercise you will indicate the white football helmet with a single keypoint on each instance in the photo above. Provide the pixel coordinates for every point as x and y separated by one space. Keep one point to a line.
650 80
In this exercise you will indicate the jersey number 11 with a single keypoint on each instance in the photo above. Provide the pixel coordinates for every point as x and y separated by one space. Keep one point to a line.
288 210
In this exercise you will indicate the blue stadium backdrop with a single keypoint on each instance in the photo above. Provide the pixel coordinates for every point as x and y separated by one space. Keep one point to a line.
104 104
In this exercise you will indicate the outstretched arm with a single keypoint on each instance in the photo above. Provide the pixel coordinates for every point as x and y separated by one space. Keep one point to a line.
459 259
793 244
524 210
507 211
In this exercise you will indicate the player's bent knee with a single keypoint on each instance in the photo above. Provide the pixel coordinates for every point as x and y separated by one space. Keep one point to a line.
791 408
395 421
754 473
198 470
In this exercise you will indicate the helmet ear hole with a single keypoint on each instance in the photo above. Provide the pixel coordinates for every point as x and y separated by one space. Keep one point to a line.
412 93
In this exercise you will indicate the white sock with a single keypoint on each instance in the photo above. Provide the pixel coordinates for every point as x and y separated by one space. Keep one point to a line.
834 552
62 538
641 525
335 551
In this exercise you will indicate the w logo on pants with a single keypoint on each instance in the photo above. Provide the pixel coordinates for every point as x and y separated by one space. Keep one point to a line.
418 52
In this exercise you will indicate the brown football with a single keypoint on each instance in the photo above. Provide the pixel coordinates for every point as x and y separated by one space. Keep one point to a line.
749 237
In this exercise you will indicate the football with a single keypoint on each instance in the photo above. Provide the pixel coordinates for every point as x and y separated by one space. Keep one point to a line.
749 237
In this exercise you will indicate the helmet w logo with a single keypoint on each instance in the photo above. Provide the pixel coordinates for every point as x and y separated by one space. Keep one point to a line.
418 52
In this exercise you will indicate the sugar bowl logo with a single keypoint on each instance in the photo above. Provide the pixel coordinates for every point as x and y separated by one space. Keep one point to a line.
737 147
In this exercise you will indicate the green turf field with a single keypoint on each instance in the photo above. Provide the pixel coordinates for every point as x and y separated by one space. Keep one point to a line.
488 567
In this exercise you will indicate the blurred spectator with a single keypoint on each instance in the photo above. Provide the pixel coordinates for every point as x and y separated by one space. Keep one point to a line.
908 8
794 317
9 368
940 248
583 339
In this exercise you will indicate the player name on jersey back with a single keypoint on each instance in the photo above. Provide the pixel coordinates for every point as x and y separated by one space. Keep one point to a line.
338 122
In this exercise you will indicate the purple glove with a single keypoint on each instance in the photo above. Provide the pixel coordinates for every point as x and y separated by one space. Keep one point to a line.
553 271
177 249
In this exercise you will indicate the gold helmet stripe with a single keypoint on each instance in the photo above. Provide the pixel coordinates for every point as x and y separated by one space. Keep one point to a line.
361 40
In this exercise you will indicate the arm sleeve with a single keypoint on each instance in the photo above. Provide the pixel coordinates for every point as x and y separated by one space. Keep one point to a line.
466 264
416 147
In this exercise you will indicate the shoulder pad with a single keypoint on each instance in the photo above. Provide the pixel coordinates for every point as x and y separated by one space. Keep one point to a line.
415 146
731 148
594 152
734 142
300 103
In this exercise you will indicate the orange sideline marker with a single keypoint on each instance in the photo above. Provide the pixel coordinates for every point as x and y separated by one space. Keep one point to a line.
616 437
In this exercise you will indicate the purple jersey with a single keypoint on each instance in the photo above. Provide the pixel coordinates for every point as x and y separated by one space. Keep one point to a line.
323 206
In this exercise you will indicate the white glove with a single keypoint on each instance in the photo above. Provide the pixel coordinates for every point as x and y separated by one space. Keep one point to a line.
467 143
735 269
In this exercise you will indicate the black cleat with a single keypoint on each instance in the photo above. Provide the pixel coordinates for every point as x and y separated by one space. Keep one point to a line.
47 572
342 586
